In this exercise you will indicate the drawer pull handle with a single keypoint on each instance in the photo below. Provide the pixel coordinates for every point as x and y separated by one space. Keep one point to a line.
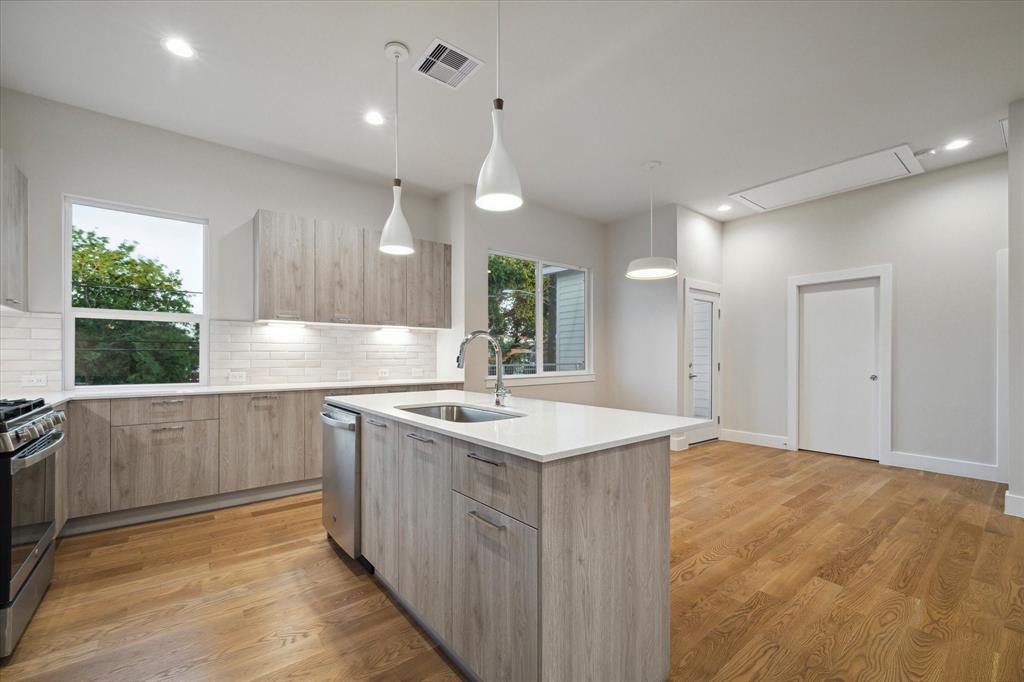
286 316
486 522
168 402
376 423
342 318
422 439
473 455
264 397
169 428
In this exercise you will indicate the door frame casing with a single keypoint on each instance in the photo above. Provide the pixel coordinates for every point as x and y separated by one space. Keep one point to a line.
696 285
882 273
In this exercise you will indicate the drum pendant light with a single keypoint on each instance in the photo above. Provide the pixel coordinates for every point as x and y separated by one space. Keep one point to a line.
497 186
652 267
396 239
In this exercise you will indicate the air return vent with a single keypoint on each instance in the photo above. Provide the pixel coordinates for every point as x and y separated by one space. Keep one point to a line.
872 169
447 64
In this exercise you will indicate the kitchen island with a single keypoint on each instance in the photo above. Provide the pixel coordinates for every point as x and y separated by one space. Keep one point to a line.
531 540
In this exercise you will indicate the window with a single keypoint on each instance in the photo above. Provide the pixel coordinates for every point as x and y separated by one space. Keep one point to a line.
530 300
135 306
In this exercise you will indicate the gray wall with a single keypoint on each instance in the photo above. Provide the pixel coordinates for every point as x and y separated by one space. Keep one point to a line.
940 231
1016 306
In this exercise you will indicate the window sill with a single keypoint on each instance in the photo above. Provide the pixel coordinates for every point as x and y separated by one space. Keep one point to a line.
547 379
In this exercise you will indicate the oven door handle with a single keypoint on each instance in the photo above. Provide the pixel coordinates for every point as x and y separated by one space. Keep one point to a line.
19 463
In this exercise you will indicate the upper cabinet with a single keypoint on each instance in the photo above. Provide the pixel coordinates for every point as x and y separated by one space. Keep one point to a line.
385 279
13 235
429 295
339 273
285 248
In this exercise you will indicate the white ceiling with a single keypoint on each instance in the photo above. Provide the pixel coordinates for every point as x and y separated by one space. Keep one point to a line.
727 95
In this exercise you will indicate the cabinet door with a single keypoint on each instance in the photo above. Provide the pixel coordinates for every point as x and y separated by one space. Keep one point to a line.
13 235
429 295
88 455
262 438
494 600
155 463
284 266
380 496
339 273
384 280
425 529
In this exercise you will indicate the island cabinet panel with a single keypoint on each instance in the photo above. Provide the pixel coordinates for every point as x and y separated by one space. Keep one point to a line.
262 438
284 268
13 235
508 483
428 295
128 411
380 486
494 595
425 531
384 284
339 273
88 457
605 531
156 463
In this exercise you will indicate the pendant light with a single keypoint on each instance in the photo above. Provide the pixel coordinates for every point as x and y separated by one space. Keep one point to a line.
396 239
497 186
652 267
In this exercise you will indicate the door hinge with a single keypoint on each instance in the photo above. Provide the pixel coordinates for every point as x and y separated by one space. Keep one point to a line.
719 420
719 367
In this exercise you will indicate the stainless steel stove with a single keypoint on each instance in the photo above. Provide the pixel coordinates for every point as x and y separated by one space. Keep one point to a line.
29 439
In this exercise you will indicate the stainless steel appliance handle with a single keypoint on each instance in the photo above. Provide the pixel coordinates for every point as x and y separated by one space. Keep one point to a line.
473 455
486 522
345 426
19 463
422 439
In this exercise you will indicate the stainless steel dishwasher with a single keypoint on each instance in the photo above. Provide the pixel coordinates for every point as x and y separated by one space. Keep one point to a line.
342 478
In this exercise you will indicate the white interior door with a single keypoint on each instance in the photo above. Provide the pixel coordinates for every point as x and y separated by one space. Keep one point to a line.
702 363
838 384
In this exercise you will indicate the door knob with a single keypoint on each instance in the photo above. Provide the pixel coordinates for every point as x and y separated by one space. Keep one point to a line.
873 377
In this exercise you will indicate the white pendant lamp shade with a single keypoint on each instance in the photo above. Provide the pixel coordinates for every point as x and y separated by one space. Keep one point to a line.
497 186
652 267
397 237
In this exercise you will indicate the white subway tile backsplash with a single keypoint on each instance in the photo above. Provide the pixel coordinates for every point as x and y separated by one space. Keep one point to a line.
29 345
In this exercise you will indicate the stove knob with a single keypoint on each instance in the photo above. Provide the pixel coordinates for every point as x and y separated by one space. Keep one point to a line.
59 418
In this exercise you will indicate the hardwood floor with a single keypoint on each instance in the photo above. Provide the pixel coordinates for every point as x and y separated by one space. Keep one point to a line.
784 566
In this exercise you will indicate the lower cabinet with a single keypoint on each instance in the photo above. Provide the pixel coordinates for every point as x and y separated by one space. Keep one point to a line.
494 596
380 497
156 463
262 438
424 521
88 457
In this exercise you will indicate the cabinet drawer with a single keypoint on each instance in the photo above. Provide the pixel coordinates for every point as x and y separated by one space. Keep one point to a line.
156 463
157 410
508 483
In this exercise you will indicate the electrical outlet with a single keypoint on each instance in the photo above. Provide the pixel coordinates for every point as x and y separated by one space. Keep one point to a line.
383 373
33 379
344 375
236 377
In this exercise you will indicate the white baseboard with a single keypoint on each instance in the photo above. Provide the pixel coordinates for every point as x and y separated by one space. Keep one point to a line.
1013 504
942 465
766 439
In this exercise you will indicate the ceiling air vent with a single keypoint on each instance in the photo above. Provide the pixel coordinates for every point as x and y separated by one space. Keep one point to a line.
872 169
447 64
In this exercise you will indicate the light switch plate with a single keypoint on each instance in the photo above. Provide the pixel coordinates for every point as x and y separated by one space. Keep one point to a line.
344 375
236 377
33 379
383 372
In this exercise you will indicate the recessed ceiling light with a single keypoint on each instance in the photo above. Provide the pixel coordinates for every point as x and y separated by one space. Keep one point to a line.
958 143
725 207
374 117
179 48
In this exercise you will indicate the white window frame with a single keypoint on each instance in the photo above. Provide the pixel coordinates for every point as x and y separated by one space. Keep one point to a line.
71 314
561 376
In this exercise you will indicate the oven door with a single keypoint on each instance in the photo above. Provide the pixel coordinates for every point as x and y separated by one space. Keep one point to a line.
33 506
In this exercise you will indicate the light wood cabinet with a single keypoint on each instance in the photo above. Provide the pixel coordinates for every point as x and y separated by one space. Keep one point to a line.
339 273
160 409
384 284
424 520
380 497
262 438
284 266
88 457
429 280
13 235
155 463
494 601
508 483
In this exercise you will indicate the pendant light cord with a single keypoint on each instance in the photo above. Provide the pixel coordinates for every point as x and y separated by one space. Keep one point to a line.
650 189
497 61
396 117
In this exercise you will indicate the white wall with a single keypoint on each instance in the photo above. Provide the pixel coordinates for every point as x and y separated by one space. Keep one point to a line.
64 149
940 231
1015 495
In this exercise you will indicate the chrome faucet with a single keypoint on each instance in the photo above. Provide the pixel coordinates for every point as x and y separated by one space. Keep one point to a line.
499 385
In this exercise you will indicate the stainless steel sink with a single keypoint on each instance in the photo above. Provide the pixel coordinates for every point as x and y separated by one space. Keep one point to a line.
458 413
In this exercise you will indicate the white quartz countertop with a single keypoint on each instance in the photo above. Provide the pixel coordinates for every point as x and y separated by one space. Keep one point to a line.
55 398
545 431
